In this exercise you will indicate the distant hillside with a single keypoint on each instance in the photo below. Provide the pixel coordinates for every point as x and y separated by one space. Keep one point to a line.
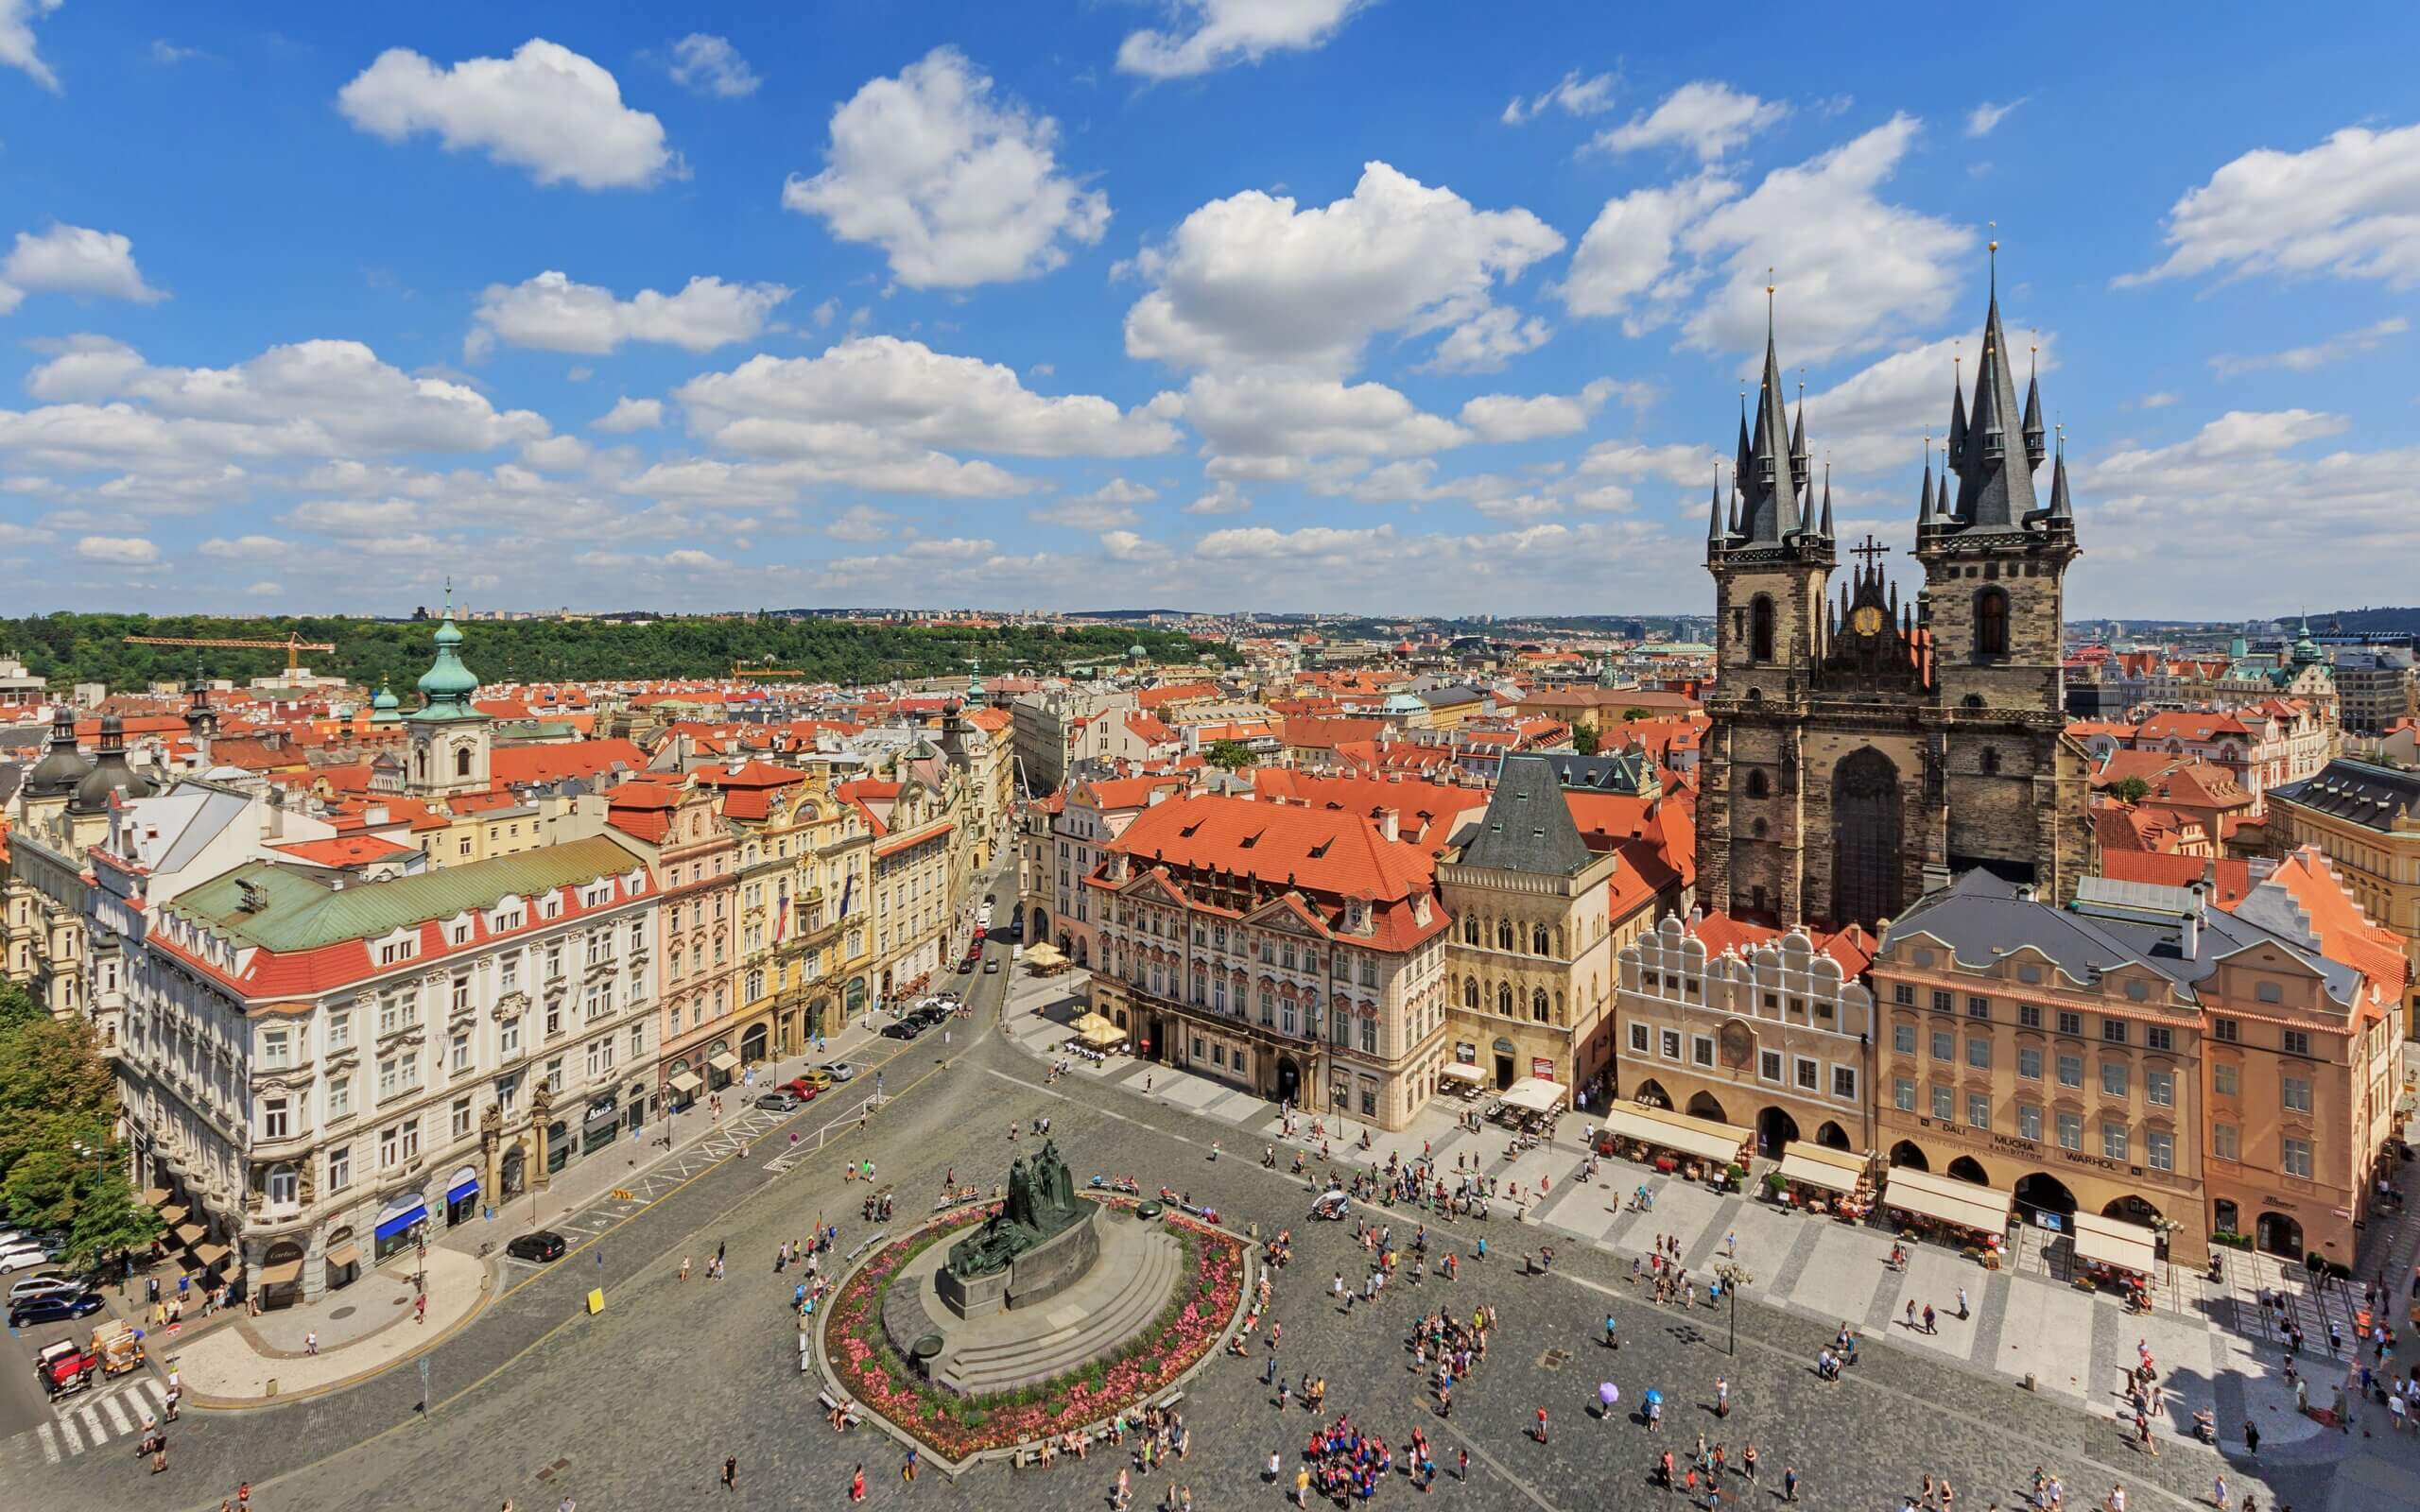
91 648
2365 621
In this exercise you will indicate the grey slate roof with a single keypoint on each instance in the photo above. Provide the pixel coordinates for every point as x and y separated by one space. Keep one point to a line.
1527 826
2371 797
1981 917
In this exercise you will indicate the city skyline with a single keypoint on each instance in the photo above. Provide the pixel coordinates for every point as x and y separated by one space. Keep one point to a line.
1366 309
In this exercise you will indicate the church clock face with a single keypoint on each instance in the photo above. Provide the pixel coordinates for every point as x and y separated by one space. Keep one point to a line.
1866 621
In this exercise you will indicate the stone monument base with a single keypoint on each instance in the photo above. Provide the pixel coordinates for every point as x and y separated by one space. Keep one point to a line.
1041 1273
1072 1316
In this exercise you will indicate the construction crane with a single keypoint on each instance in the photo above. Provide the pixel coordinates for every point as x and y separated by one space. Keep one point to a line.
791 673
293 645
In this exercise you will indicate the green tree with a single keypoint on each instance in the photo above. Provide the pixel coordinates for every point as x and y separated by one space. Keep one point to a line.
1230 755
1628 714
2130 789
17 1006
59 1167
1584 739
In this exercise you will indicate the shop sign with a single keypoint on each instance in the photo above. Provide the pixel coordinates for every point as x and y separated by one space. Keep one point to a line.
1466 1052
1542 1067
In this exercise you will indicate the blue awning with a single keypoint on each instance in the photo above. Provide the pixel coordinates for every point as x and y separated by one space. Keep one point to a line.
417 1213
462 1188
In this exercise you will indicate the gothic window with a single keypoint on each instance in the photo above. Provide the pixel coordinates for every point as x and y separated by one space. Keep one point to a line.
1760 629
1503 935
1504 999
1470 931
1538 940
1538 1006
1865 839
1470 993
1991 623
1758 786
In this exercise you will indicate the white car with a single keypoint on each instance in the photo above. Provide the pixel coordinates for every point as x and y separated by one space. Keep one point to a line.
21 1257
39 1285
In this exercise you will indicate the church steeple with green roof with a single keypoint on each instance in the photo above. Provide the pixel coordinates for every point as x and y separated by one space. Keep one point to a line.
450 737
447 686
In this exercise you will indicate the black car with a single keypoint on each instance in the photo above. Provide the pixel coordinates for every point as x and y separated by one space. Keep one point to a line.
903 1029
542 1245
777 1100
58 1307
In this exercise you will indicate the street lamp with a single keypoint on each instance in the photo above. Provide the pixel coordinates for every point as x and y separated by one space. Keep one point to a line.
1732 1275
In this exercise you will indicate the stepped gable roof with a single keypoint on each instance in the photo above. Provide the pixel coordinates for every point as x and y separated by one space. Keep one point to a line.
1853 947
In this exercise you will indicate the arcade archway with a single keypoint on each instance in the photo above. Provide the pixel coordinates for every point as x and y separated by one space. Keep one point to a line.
1832 1137
1966 1168
1705 1105
1775 1131
1906 1153
2045 1194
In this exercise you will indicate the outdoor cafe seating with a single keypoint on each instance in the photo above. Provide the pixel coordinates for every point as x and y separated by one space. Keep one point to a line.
1694 1149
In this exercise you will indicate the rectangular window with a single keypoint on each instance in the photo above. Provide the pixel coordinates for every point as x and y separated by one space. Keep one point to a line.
1903 994
1945 1104
2070 1023
2113 1078
1769 1064
508 973
458 1054
555 1074
273 1118
2029 1015
2297 1159
1902 1039
2072 1131
1979 1007
1671 1045
461 994
2227 1029
2159 1036
2296 1094
2071 1071
1701 1050
340 1168
2029 1119
391 1077
1845 1083
2113 1031
2159 1088
2227 1080
390 1143
339 1030
1369 1035
2227 1142
275 1046
1942 1001
2296 1042
1638 1039
1978 1110
2113 1142
1805 1071
1944 1045
2028 1062
461 1121
1903 1094
638 1039
1978 1053
339 1096
2161 1148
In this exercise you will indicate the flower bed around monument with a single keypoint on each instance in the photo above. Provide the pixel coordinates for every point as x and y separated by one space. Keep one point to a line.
957 1427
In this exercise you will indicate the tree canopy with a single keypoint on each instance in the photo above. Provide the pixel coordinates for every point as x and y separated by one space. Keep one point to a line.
1230 755
71 648
61 1168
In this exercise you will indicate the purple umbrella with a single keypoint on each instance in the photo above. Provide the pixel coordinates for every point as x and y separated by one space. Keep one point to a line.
1607 1393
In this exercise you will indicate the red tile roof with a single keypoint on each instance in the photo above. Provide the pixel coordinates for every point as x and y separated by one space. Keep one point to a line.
549 764
1852 947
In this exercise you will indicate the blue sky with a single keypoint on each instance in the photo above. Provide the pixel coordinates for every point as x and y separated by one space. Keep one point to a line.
1213 303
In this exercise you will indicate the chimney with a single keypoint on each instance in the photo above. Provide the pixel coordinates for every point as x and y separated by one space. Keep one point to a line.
1388 824
2188 935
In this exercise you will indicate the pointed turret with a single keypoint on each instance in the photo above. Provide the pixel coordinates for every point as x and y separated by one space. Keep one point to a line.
1953 453
1714 531
1771 487
1995 485
2061 507
1924 493
2034 438
1825 530
1799 470
1743 458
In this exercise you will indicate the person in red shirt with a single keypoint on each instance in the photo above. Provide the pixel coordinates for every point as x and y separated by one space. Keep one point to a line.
857 1485
1542 1425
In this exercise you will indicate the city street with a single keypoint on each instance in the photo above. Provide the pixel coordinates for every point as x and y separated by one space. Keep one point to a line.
538 1400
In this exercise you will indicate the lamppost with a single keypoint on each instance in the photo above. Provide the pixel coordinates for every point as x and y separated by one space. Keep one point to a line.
1732 1275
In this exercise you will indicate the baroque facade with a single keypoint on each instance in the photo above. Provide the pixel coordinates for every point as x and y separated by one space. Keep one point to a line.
1863 748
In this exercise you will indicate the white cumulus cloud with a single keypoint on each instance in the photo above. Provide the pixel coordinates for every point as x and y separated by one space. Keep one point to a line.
552 313
1572 94
132 551
17 49
629 414
1708 118
2349 207
545 108
706 64
1252 279
1214 34
73 260
958 188
1512 418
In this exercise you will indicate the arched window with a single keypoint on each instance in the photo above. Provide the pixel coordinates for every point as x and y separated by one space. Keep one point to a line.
1470 929
1538 1004
1538 940
1760 629
1991 623
1504 999
1470 993
1503 935
1758 786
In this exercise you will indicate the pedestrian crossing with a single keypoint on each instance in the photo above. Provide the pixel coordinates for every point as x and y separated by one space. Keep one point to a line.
85 1423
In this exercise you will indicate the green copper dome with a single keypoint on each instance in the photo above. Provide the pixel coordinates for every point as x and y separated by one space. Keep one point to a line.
385 709
446 687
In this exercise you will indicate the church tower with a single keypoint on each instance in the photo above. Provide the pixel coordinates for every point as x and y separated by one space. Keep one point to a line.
1866 750
449 739
1771 558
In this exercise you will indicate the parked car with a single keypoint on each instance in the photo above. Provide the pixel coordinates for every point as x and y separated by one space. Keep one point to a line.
965 966
56 1307
23 1257
903 1029
542 1245
802 1088
820 1077
780 1100
48 1282
838 1070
